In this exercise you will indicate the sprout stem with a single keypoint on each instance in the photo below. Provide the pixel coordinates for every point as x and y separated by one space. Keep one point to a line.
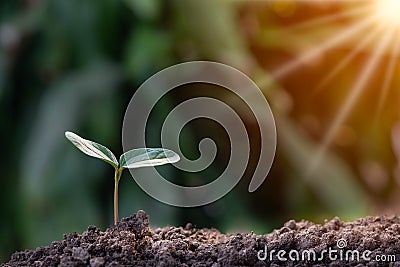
117 176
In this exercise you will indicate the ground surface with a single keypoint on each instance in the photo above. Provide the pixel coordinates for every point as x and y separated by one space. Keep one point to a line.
132 243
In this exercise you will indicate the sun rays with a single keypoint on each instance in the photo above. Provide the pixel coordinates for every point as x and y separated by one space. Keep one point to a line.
388 10
353 96
346 60
389 74
373 24
336 40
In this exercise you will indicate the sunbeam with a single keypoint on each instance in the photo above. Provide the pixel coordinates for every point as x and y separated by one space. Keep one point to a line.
388 76
330 43
388 11
374 21
345 61
351 99
328 19
307 1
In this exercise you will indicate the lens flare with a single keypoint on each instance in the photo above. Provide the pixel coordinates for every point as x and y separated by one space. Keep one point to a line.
388 11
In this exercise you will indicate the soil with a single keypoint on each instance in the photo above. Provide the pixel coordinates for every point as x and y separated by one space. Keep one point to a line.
132 243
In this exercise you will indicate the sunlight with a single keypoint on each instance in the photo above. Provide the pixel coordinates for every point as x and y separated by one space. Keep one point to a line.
388 77
347 34
329 18
345 61
378 30
355 93
388 11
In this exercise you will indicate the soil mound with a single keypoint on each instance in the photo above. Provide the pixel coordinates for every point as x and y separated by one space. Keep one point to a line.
371 241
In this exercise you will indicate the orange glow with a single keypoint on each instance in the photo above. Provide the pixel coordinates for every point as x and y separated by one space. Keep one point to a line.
388 11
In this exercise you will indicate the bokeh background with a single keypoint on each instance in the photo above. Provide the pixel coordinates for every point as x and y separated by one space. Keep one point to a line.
74 65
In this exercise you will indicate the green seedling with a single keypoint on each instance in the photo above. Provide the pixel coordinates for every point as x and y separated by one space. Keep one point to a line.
135 158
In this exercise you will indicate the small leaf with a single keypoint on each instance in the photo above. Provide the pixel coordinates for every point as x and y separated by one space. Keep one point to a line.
145 157
92 149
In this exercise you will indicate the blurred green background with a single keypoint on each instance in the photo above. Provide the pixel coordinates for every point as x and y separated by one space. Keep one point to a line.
74 65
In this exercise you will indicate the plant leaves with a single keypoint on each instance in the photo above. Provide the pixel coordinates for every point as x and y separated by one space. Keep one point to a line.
92 149
145 157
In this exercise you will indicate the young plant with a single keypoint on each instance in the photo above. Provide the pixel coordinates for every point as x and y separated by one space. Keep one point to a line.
135 158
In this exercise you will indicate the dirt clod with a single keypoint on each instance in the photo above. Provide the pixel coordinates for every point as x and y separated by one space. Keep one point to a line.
132 243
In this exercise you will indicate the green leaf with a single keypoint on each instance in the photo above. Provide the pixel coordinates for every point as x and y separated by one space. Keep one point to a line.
92 149
145 157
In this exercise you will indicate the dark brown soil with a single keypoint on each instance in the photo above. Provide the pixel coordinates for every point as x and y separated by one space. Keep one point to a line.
132 243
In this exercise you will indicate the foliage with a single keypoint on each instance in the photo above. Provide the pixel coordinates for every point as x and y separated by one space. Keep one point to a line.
72 65
135 158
